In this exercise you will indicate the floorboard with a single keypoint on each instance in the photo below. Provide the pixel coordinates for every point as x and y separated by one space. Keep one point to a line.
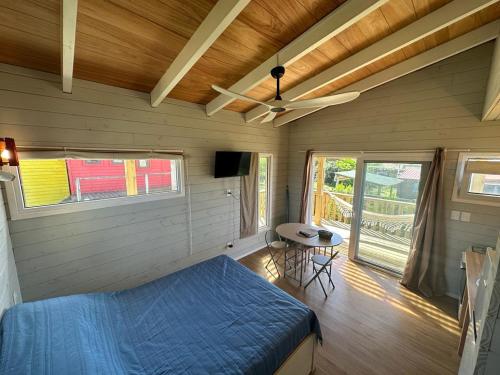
373 325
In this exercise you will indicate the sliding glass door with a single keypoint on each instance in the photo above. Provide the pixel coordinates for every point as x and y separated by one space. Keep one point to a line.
370 200
389 195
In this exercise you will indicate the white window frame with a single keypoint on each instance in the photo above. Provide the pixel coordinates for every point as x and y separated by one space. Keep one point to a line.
269 192
461 177
18 211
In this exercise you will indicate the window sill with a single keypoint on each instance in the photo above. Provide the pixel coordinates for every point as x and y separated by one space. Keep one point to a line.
476 200
19 212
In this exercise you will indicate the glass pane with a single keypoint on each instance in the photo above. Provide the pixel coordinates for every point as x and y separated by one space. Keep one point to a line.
143 163
263 191
487 184
52 182
44 182
339 175
333 195
390 192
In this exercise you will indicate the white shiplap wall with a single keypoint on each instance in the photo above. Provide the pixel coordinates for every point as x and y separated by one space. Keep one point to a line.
438 106
9 290
115 248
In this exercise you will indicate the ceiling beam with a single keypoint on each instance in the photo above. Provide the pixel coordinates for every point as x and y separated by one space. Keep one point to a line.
334 23
439 19
491 110
69 10
220 17
453 47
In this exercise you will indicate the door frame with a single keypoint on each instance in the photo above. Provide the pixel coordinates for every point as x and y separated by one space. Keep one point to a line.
361 159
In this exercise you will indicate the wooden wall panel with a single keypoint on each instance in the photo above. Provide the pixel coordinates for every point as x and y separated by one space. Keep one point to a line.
469 23
9 293
29 34
130 44
261 29
109 249
437 106
389 18
120 42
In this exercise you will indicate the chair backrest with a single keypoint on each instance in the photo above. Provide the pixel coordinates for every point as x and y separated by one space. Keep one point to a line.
334 255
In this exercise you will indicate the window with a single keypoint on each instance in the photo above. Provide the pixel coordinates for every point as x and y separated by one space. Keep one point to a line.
478 179
48 185
264 193
143 163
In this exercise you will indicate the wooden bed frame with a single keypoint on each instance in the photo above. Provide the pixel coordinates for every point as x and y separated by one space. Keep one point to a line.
301 361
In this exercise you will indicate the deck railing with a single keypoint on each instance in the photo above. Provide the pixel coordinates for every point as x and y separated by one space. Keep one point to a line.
384 215
78 181
262 208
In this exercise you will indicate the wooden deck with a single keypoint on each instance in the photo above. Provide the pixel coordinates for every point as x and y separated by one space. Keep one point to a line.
380 248
371 325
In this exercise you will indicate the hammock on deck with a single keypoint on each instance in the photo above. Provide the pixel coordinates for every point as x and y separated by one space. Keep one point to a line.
369 219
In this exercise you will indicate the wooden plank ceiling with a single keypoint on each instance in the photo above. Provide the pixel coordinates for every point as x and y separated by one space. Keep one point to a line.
130 44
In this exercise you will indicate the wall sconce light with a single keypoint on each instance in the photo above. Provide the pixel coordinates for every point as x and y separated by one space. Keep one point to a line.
8 152
8 156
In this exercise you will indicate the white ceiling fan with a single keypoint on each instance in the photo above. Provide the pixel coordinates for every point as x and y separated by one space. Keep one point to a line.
279 105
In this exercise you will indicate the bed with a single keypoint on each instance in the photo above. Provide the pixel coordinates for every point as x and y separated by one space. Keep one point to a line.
216 317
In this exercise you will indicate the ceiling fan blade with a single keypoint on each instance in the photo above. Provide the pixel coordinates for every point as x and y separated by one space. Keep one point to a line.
238 96
270 117
324 101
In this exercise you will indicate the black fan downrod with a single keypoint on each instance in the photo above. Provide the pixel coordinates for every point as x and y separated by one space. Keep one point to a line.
277 72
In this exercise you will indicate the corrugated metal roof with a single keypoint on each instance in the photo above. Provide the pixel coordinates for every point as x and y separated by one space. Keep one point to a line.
372 178
410 173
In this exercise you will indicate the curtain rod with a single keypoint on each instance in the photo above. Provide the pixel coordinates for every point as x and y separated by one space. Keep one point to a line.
387 151
59 148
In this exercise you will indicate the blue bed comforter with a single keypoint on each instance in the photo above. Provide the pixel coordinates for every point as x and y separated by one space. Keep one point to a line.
216 317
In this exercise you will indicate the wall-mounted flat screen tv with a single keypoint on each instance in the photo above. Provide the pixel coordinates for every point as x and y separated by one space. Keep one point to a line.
232 163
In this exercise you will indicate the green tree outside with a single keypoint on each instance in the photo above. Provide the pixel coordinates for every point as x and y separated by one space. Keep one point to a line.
338 165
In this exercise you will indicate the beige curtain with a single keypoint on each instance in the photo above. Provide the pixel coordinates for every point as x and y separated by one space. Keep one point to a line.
424 270
306 187
248 199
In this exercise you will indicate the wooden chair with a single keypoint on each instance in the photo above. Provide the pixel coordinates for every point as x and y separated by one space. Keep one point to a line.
275 249
324 264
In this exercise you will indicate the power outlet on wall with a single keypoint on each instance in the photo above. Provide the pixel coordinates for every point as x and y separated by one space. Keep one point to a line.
465 216
229 245
455 215
228 192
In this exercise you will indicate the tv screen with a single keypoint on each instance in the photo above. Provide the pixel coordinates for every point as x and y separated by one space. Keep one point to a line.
231 163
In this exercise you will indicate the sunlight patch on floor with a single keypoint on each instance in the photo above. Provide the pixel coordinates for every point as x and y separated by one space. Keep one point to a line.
361 281
370 283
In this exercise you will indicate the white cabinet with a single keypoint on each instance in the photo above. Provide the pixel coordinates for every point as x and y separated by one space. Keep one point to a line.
481 354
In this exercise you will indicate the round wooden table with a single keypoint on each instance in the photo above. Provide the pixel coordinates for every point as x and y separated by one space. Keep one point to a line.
290 231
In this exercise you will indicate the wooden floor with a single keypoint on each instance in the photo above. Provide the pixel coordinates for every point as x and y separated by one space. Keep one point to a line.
372 325
381 248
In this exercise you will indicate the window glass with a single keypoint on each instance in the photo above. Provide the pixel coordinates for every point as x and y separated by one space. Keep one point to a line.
264 191
488 184
66 181
478 179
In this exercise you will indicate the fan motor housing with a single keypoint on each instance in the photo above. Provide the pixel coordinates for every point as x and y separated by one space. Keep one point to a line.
277 72
277 109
